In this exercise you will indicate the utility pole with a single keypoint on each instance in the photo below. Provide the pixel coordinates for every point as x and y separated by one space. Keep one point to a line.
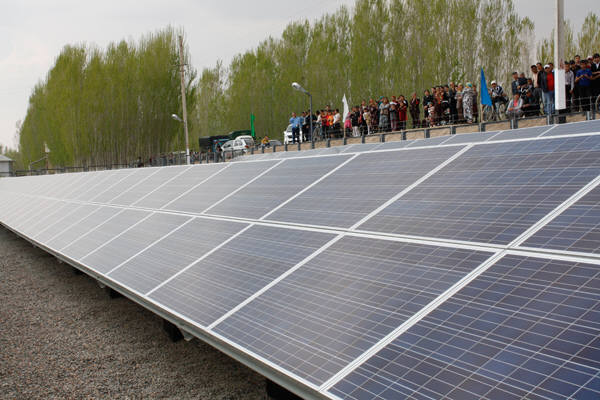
183 105
560 100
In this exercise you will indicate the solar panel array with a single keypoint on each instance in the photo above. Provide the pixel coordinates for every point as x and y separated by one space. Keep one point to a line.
461 267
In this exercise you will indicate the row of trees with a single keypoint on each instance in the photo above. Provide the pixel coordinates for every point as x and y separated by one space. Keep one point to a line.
111 106
108 106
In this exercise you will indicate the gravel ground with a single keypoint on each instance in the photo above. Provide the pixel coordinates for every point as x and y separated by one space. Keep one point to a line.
61 336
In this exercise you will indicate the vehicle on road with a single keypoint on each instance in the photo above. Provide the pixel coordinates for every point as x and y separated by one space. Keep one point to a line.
288 137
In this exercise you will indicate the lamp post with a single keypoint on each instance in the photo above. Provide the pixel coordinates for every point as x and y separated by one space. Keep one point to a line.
183 105
296 86
187 149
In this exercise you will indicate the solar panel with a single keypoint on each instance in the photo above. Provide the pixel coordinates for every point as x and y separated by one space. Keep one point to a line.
521 133
216 284
216 188
145 187
366 182
343 301
99 230
575 229
574 127
276 186
493 192
175 187
427 142
470 137
526 328
174 252
305 264
140 234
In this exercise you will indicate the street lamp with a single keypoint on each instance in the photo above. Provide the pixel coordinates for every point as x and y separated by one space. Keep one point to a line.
296 86
187 146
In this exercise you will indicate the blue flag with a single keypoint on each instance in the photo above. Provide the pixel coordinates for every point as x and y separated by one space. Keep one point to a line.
485 95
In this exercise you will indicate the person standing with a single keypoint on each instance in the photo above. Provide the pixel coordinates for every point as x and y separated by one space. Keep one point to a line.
415 111
296 123
584 81
595 68
384 115
569 85
402 112
547 85
467 101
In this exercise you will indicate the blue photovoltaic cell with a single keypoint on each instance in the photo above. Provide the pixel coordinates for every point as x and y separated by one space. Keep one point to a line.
493 192
276 186
133 240
173 189
340 303
521 133
470 137
96 230
575 229
362 185
174 252
216 188
525 328
396 145
575 127
234 272
427 142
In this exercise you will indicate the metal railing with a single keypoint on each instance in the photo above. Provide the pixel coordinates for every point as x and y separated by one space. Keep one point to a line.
225 156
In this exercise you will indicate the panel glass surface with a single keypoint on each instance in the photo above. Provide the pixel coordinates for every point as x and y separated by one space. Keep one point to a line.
152 182
575 229
470 137
97 229
105 180
134 177
49 217
79 227
216 188
230 275
493 192
343 301
526 328
521 133
132 241
76 213
395 145
362 185
575 127
178 186
173 253
434 141
276 186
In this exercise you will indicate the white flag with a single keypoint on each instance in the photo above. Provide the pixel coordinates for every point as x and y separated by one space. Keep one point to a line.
346 108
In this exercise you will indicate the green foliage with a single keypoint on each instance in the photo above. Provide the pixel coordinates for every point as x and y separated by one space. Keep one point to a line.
108 106
382 47
587 43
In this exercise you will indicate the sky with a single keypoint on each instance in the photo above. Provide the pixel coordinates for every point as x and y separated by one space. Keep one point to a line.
34 32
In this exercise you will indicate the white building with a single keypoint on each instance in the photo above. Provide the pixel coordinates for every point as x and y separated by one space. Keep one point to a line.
6 166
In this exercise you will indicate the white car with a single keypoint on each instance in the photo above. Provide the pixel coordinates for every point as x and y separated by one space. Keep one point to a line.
248 139
236 147
287 135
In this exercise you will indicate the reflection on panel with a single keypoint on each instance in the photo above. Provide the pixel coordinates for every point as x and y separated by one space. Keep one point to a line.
340 303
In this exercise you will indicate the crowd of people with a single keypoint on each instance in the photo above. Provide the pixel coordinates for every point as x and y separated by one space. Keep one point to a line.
452 103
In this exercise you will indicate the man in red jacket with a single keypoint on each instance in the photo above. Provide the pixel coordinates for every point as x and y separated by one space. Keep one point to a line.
547 85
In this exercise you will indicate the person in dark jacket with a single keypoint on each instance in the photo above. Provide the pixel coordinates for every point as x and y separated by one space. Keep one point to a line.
415 110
